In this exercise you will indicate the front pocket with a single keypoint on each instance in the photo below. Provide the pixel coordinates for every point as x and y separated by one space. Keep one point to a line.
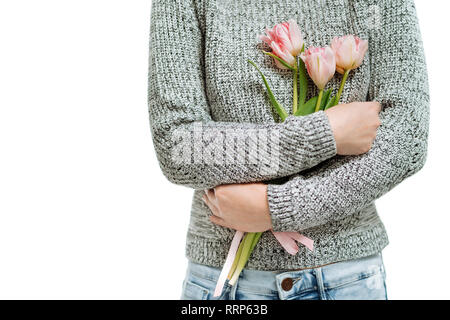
346 272
371 287
193 291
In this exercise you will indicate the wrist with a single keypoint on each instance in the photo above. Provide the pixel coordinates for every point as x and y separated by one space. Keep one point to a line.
334 127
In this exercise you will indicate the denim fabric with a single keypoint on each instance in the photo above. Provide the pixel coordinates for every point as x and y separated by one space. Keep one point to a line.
360 279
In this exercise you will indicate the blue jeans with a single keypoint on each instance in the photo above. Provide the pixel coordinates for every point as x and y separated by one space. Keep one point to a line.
360 279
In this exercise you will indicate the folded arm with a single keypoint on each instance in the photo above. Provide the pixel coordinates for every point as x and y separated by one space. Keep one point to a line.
193 149
344 185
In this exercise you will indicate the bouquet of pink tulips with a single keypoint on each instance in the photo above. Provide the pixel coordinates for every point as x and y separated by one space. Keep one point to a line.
287 44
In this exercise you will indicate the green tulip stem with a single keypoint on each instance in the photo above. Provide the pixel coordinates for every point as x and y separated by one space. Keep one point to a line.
319 100
247 244
255 241
295 101
341 88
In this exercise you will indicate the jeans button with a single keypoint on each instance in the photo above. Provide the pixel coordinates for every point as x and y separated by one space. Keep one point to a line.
287 284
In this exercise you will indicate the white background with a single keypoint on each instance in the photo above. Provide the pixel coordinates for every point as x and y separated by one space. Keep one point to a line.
85 212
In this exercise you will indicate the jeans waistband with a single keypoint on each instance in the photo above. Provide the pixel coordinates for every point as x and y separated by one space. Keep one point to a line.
274 282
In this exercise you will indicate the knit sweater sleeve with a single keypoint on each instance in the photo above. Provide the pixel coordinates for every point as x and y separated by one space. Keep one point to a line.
193 149
344 185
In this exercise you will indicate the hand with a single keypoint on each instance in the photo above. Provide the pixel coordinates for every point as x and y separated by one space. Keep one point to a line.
242 207
354 126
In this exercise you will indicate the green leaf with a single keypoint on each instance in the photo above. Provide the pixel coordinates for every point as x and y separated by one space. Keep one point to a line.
278 107
247 244
255 241
284 63
308 108
336 101
303 80
331 103
326 96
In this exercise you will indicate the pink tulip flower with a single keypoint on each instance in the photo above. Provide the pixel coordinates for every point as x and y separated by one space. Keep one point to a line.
321 65
349 51
286 41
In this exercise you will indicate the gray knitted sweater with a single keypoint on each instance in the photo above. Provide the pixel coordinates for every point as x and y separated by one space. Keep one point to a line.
212 122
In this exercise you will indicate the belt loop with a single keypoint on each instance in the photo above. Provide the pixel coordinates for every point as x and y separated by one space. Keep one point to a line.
319 280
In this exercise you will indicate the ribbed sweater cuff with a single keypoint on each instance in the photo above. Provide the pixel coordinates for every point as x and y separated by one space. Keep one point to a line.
281 209
316 134
309 137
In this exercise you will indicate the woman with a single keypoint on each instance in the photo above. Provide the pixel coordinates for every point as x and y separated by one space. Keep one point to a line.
213 131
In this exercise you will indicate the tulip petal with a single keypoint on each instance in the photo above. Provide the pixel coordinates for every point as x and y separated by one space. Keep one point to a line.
362 49
283 64
265 38
340 70
283 54
296 37
280 65
349 51
285 39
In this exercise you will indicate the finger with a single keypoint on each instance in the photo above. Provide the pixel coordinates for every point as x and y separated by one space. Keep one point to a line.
211 206
219 221
377 106
211 196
